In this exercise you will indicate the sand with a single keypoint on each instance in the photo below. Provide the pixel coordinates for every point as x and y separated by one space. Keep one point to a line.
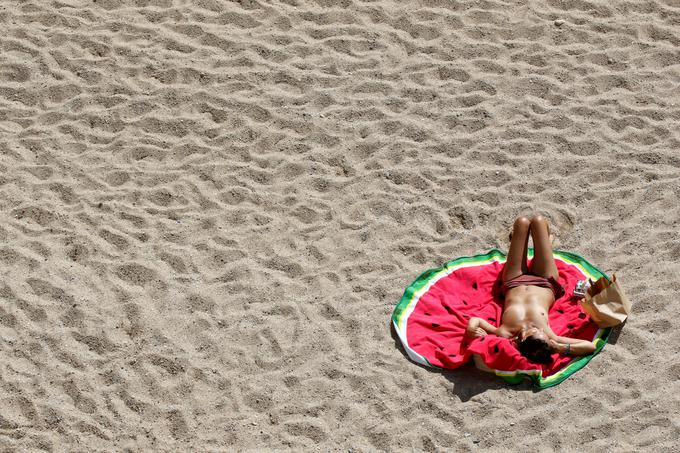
209 209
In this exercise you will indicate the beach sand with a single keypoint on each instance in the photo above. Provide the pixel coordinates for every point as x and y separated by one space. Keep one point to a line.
209 209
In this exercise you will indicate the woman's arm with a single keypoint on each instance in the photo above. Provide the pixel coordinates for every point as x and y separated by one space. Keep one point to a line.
576 345
568 340
477 327
573 346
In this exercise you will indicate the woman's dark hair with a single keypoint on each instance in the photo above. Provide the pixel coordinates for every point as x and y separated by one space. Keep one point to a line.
536 350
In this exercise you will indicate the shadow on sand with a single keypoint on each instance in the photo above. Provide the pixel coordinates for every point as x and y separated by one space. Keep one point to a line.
615 332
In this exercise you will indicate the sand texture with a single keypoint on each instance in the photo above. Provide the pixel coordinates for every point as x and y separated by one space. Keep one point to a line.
209 209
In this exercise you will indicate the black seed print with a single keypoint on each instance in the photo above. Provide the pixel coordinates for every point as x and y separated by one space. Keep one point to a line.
464 303
570 326
492 319
427 314
482 339
495 349
452 355
466 316
474 285
582 315
435 325
560 312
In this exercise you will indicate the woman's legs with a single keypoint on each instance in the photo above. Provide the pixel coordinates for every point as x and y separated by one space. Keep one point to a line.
516 263
543 263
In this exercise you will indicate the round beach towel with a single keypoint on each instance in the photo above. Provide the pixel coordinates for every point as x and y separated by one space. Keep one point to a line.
433 313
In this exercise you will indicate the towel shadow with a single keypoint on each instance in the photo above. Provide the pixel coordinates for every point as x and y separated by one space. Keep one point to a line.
615 332
467 380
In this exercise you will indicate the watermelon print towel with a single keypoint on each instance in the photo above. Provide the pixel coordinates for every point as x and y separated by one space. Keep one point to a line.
433 313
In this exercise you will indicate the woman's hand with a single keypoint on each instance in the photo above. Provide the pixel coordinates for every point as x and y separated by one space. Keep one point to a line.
478 332
555 346
473 330
477 327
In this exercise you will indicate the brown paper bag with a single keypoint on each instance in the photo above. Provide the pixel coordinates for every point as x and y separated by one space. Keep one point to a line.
606 303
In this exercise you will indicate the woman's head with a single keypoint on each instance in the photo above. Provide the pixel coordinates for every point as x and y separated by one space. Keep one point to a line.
535 348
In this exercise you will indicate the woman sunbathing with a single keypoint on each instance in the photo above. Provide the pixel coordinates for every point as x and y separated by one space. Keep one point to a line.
529 294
